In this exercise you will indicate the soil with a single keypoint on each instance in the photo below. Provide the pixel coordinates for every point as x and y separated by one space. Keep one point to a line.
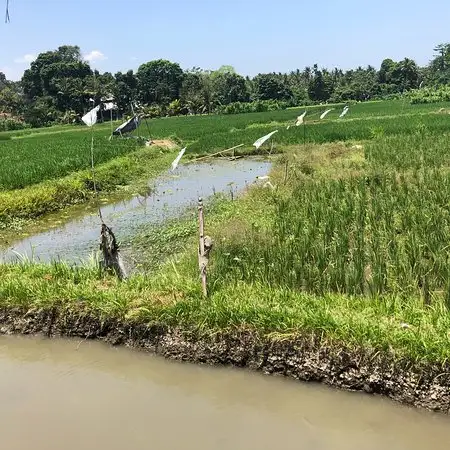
302 357
164 143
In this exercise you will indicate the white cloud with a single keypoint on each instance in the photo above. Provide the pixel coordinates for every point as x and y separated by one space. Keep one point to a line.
25 59
95 55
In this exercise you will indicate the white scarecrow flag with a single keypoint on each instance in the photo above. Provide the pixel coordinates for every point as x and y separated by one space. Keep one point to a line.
324 114
300 119
344 112
108 106
263 139
90 118
177 159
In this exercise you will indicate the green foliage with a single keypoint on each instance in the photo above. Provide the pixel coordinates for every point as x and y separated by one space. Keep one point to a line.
174 108
360 84
249 107
228 88
42 112
320 86
124 90
270 86
439 69
58 75
197 91
10 124
59 84
11 101
430 95
159 81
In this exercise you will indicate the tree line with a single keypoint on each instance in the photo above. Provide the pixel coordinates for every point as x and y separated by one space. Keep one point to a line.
59 86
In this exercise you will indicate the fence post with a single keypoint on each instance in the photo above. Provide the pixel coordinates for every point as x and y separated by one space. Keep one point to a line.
202 259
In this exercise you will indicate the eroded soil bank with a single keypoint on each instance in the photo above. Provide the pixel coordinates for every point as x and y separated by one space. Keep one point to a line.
303 358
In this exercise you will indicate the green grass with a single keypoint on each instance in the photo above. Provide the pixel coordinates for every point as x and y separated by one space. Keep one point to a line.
38 158
174 300
424 148
327 131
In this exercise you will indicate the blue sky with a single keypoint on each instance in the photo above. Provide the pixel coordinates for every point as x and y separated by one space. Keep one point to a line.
251 35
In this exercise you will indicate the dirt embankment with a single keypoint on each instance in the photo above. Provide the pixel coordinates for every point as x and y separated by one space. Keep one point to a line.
302 358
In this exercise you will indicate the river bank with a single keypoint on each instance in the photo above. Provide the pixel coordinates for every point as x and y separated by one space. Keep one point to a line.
305 358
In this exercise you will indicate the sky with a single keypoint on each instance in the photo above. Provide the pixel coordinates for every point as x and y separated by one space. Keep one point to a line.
253 36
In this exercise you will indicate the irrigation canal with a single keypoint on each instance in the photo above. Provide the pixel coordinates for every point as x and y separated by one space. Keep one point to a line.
87 395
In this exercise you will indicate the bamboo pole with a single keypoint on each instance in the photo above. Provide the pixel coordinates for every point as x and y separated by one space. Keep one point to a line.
215 154
201 249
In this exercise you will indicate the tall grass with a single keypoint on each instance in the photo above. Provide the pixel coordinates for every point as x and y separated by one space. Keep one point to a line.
383 232
422 148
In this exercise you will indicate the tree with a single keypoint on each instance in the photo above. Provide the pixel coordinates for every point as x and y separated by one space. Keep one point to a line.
360 84
386 78
385 72
439 68
159 81
225 69
11 98
58 74
320 86
270 86
196 92
228 87
442 59
98 87
406 75
125 90
3 81
41 112
11 101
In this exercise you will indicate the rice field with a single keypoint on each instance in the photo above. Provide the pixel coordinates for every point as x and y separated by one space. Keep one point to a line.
30 156
382 228
351 245
37 158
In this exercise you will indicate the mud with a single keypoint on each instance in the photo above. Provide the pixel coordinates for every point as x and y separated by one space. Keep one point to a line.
303 358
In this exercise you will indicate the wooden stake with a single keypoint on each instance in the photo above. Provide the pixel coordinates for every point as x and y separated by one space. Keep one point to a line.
286 168
201 249
304 134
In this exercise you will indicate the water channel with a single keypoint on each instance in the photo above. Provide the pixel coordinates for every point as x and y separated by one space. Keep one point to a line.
72 395
73 235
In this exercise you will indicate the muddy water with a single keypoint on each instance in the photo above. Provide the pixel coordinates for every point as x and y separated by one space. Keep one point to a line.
84 395
74 237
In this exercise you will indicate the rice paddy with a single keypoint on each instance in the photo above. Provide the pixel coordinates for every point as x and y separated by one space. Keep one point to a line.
351 243
34 155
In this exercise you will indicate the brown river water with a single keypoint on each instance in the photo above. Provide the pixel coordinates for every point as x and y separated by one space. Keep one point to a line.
68 394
